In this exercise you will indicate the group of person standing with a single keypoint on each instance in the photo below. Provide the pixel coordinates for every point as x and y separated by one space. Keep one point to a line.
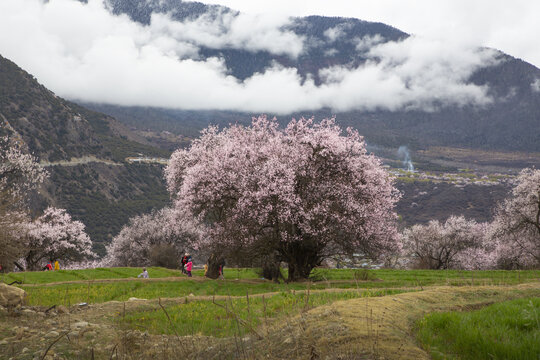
50 267
186 264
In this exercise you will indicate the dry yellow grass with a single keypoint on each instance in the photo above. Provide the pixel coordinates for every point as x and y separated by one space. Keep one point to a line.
374 328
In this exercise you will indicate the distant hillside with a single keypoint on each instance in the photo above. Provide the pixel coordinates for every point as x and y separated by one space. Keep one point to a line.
511 122
425 201
101 195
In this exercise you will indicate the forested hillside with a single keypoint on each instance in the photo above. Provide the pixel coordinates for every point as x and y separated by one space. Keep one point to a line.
103 195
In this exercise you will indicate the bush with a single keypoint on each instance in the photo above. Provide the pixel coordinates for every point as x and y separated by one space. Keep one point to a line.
165 255
363 275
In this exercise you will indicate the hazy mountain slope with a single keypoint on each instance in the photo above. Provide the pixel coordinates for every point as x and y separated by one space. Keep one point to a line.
104 195
50 128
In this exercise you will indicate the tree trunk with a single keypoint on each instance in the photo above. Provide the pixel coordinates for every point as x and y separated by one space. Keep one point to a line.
301 258
214 262
271 269
18 265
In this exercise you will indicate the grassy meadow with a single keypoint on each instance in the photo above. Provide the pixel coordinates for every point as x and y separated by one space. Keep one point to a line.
170 304
69 287
507 330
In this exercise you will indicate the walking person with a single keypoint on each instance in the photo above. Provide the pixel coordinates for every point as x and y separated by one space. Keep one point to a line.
56 265
189 265
220 270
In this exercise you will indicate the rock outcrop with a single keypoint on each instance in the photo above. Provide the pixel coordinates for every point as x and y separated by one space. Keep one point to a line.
11 296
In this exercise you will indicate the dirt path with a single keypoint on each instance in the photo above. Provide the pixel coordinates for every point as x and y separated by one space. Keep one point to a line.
97 281
181 278
78 161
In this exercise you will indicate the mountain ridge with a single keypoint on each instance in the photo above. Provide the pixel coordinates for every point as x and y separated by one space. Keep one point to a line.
510 123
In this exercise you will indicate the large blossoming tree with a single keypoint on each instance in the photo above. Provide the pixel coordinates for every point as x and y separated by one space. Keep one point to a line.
516 225
301 193
53 235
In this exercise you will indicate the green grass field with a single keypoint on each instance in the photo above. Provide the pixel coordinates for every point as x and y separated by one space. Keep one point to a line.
385 277
47 277
244 304
68 287
235 316
507 330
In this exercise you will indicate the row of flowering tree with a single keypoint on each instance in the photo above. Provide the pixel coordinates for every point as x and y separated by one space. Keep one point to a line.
156 239
303 193
50 235
510 241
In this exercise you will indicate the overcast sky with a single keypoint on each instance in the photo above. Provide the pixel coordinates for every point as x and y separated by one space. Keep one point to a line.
511 26
82 51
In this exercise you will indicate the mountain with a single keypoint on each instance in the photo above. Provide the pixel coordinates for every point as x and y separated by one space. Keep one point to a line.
85 153
511 122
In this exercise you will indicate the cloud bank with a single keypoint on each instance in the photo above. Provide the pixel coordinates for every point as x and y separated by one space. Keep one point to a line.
82 51
511 28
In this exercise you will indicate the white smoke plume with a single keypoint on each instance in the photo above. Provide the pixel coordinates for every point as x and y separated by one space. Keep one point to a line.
404 154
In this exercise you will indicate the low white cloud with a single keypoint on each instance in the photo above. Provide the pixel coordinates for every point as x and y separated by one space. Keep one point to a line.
334 33
225 29
330 52
414 73
366 43
511 28
535 85
81 51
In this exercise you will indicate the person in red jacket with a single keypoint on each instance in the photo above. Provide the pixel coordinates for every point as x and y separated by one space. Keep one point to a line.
183 263
189 265
48 267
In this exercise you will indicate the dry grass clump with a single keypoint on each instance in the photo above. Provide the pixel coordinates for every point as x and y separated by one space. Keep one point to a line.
373 328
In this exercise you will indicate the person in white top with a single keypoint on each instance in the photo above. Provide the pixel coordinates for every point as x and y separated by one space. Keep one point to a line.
144 274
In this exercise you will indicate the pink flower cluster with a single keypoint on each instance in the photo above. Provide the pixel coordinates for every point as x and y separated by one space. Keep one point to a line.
265 185
516 227
19 173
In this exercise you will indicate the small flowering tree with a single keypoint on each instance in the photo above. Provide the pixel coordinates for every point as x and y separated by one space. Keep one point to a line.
516 225
457 243
300 193
19 174
54 235
158 238
11 248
